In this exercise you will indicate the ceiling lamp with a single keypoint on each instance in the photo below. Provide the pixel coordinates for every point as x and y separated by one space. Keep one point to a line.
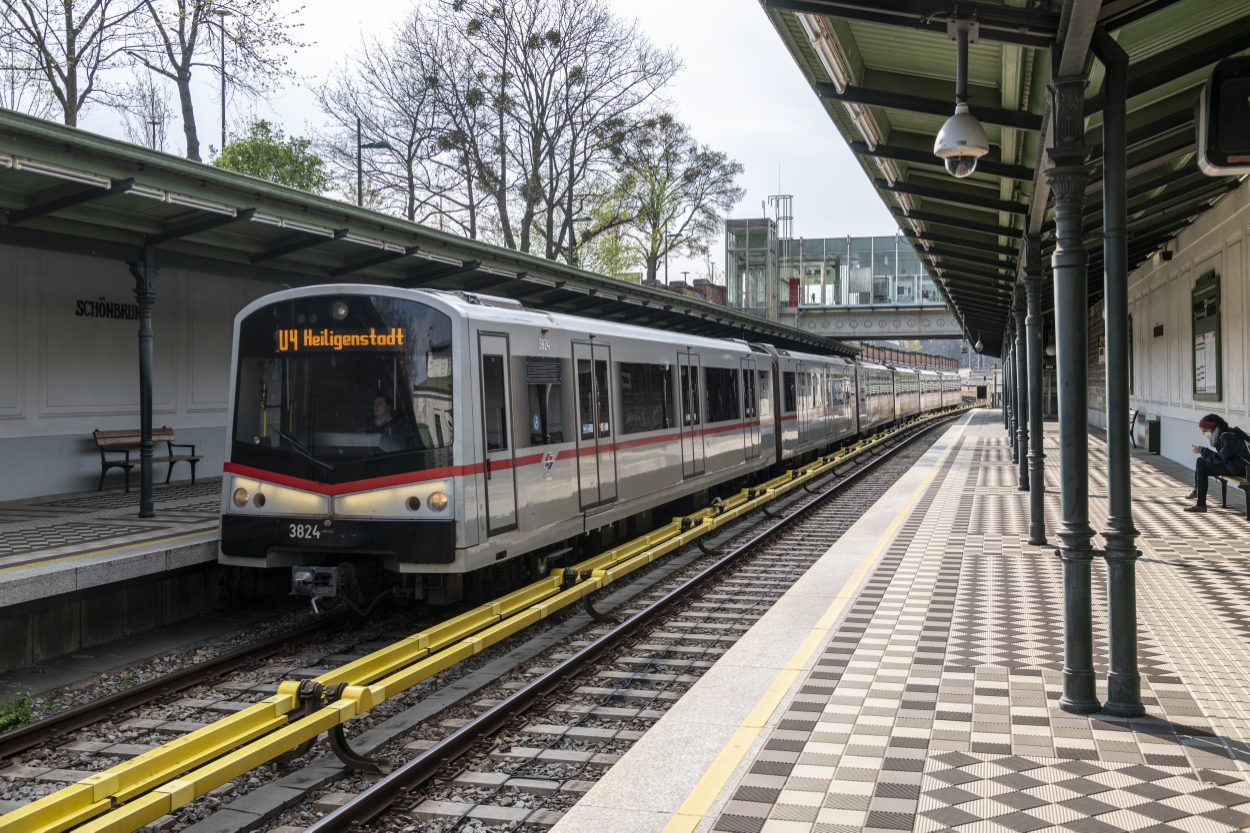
962 140
979 346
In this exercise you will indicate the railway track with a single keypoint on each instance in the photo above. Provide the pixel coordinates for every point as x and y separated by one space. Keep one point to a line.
539 765
161 780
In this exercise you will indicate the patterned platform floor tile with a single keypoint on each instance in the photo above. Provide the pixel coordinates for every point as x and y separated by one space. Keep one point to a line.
934 705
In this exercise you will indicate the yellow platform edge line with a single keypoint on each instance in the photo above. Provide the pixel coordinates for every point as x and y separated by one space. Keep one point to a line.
697 804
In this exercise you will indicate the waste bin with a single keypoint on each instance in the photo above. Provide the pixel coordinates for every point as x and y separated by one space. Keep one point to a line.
1153 442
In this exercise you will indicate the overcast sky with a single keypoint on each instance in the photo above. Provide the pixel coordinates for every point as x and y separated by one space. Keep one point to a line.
740 92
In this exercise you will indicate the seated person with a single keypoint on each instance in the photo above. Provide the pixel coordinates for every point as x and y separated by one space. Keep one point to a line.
1228 454
394 430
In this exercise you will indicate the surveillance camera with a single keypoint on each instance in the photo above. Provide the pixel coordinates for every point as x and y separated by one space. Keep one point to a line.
960 166
961 142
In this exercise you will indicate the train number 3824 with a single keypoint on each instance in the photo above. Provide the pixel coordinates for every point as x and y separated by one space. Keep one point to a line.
305 531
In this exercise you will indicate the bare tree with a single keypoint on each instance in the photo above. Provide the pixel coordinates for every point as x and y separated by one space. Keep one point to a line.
22 84
71 42
680 189
180 35
390 89
562 71
146 113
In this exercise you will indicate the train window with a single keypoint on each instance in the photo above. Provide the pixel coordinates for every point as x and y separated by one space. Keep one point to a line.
543 377
766 393
789 401
721 385
645 393
494 404
690 395
590 409
748 395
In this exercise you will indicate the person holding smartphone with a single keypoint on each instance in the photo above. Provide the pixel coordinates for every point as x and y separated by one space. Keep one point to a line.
1226 453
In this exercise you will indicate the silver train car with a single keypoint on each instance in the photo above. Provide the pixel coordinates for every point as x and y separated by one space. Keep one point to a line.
437 432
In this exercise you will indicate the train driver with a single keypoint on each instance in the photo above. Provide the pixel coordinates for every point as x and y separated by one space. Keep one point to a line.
393 429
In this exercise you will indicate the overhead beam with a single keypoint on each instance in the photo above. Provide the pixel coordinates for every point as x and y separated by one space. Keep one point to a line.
962 242
956 222
305 241
921 157
961 197
1116 14
446 270
1000 24
959 257
199 226
1182 59
1015 119
372 259
21 215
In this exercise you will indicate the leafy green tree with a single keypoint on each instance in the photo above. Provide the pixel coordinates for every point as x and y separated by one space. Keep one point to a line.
265 153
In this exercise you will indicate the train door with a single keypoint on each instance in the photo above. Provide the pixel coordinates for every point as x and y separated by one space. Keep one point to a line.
596 460
803 407
750 409
497 434
691 429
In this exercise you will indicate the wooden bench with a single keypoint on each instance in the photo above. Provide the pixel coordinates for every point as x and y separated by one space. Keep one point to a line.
123 442
1133 414
1241 483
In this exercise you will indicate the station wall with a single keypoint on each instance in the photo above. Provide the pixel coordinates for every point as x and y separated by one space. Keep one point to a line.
1164 350
69 364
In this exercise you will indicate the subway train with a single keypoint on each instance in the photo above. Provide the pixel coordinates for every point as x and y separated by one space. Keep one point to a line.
444 433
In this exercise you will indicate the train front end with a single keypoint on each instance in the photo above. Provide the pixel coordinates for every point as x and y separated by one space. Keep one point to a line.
342 441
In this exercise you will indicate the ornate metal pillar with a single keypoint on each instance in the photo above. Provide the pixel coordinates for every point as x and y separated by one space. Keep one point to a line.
1009 392
1022 394
145 293
1068 179
1033 323
1123 681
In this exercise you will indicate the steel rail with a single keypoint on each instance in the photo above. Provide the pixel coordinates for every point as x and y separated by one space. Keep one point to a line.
382 794
33 734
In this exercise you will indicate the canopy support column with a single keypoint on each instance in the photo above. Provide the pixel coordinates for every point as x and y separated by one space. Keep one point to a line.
1033 323
1022 393
145 294
1067 180
1123 681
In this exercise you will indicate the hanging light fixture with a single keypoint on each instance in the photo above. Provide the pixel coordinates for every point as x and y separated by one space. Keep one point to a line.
979 346
962 140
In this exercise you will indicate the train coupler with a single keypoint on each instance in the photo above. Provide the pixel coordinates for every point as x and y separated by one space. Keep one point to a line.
320 582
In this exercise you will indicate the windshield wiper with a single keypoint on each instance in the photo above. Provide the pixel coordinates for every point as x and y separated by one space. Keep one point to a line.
299 449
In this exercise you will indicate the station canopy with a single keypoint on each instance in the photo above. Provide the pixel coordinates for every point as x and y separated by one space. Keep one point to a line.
67 190
884 70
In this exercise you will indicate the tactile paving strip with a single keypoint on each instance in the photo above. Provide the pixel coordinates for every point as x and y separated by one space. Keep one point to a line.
934 705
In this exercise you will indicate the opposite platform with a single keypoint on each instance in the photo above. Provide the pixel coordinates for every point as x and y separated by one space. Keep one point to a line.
927 700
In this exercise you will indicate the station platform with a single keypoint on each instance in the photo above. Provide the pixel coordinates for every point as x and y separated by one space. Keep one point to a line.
83 570
910 680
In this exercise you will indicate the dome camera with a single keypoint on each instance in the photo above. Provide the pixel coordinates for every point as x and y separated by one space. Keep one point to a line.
961 142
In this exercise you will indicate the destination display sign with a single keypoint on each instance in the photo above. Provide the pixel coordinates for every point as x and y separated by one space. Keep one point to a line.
290 341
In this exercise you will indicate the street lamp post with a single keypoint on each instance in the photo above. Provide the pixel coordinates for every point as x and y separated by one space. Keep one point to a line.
222 14
360 171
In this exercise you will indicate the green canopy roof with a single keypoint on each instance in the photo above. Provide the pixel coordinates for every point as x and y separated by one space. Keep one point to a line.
67 190
884 70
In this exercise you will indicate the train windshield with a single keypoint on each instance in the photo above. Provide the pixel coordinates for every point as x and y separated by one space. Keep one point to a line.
343 388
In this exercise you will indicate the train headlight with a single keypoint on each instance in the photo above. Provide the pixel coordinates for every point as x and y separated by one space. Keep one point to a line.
414 503
437 501
240 496
338 310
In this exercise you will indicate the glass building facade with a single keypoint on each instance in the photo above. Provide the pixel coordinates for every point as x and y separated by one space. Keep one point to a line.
854 271
751 274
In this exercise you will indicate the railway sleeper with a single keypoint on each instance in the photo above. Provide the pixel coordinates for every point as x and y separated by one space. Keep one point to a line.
582 732
431 810
516 753
533 786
